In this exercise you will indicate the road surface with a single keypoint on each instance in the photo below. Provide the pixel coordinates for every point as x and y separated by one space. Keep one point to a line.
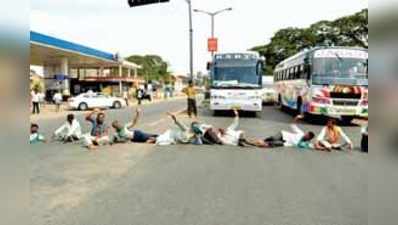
138 184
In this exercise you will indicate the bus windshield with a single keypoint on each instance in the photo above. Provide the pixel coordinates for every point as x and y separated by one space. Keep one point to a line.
339 70
236 76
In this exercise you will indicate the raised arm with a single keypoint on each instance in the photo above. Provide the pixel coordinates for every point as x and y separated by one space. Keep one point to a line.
89 116
235 123
178 123
136 118
294 126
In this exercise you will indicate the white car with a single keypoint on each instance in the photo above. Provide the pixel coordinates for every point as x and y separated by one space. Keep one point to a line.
268 91
95 100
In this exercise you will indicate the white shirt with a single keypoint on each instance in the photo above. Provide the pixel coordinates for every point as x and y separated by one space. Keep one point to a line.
292 138
232 135
35 97
57 98
181 134
68 129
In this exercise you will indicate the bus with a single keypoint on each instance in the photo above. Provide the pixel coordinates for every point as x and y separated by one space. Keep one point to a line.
329 81
236 82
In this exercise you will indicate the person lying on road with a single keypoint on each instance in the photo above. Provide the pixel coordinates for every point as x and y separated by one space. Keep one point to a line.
70 131
231 135
99 134
330 138
181 134
126 133
295 138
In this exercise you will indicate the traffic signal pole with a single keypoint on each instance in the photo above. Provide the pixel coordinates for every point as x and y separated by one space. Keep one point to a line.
190 39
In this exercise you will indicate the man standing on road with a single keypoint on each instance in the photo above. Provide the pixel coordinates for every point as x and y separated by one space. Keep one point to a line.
191 94
295 138
35 96
57 98
99 134
140 94
70 131
124 133
330 138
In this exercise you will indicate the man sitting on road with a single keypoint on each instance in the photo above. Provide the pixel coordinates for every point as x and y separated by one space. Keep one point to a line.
99 134
70 131
125 133
330 138
296 138
35 136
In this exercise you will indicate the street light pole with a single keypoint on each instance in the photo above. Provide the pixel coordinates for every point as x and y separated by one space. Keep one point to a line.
190 39
212 15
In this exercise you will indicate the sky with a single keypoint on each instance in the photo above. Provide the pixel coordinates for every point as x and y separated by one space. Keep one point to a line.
162 29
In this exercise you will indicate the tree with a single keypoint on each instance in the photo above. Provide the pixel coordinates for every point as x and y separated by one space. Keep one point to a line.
153 67
346 31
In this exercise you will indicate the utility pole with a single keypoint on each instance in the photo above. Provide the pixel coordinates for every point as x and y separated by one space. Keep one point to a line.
212 15
189 2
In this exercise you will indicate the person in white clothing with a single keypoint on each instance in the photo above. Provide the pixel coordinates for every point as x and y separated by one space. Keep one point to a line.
57 98
125 133
330 138
35 98
294 138
231 135
70 131
181 134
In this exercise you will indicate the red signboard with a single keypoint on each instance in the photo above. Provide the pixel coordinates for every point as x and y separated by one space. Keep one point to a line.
212 44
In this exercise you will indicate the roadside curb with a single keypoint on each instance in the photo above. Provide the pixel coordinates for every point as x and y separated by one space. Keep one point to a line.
53 115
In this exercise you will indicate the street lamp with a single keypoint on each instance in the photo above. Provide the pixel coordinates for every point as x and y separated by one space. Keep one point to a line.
212 15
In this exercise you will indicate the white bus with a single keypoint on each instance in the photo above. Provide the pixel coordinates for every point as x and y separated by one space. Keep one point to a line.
236 82
330 81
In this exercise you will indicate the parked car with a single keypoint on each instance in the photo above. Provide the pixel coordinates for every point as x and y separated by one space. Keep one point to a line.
92 100
269 93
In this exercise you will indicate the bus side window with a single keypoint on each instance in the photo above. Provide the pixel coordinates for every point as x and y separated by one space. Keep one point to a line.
296 73
291 74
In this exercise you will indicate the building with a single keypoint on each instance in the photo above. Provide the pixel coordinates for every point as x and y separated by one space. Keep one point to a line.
74 68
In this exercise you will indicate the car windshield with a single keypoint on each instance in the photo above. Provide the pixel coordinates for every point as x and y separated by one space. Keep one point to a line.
244 76
339 70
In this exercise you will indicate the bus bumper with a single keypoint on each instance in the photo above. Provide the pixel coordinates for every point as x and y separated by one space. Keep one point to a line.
244 106
355 111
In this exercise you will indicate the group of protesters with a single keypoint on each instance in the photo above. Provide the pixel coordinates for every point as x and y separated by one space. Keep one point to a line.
332 137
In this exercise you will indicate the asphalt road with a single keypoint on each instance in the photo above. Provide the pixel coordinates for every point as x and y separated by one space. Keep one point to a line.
138 184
